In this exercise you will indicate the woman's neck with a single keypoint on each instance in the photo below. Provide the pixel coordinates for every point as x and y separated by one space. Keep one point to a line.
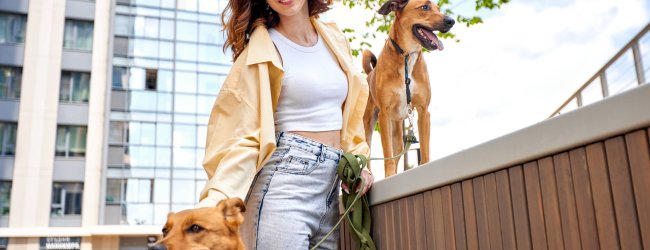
298 29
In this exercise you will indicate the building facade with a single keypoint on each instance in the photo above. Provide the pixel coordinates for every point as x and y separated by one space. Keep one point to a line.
103 113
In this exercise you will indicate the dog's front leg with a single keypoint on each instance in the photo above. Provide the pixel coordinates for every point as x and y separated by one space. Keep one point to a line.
398 143
424 130
385 130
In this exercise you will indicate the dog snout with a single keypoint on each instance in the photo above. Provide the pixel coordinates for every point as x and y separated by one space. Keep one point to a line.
449 22
158 247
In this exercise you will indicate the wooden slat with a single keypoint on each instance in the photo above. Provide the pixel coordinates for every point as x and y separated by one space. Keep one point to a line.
408 216
448 221
584 201
550 204
429 221
470 215
624 205
639 156
492 205
419 222
566 198
492 209
378 219
403 215
390 226
602 196
520 209
395 233
459 216
535 206
505 210
438 216
481 213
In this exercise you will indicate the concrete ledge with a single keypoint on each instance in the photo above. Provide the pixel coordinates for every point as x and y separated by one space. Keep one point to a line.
76 60
81 10
70 113
18 6
609 117
12 54
10 109
121 230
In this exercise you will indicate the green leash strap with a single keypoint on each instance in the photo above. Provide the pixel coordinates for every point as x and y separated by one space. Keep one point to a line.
358 213
359 218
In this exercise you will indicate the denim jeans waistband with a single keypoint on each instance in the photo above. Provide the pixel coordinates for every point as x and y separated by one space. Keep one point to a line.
307 144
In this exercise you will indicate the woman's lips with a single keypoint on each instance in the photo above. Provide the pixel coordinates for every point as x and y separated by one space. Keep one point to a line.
285 2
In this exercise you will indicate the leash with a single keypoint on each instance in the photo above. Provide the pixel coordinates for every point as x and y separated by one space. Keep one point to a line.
349 170
407 79
358 213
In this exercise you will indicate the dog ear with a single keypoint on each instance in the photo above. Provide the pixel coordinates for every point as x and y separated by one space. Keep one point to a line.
392 5
232 210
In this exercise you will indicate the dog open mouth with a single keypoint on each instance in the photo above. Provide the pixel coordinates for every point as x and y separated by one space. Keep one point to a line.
427 38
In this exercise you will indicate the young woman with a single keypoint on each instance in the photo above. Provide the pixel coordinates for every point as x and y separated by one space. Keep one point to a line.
290 106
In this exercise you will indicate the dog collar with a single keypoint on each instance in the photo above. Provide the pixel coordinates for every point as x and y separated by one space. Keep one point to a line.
407 79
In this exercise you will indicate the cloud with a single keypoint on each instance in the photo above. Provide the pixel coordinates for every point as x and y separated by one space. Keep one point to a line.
518 66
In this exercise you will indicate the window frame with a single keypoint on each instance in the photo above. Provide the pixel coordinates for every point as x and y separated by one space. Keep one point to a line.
5 137
71 89
11 86
62 200
24 26
75 34
6 205
67 131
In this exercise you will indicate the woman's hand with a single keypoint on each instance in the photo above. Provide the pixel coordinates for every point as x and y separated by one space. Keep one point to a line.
368 180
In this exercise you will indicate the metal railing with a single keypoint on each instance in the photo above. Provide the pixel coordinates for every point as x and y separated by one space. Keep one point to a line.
624 71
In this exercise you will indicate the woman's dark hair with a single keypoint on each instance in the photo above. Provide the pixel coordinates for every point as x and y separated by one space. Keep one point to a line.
245 15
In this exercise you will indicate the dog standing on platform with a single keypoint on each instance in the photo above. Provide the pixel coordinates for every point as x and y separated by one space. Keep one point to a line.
412 30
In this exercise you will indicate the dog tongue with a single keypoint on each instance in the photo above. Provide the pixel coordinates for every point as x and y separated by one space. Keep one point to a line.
434 40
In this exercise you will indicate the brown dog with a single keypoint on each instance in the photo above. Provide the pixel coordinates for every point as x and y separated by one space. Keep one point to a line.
415 21
209 228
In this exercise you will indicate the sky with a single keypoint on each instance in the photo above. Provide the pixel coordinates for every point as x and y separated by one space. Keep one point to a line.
517 67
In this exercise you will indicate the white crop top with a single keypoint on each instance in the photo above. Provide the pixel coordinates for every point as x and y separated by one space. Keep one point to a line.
314 87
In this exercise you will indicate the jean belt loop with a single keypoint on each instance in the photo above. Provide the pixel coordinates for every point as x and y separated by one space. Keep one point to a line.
277 138
322 153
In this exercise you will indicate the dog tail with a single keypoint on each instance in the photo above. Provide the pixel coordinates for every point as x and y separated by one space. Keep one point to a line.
369 61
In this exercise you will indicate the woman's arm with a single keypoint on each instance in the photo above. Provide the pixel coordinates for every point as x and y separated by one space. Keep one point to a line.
233 145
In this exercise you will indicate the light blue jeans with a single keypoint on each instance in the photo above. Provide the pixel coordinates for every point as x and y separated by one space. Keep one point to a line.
293 201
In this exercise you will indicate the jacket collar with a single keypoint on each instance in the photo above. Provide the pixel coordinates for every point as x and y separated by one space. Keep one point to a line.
265 51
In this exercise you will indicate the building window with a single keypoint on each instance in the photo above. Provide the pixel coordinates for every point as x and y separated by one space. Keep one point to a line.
4 243
71 141
151 79
7 139
141 79
5 197
12 28
10 78
78 35
75 86
66 198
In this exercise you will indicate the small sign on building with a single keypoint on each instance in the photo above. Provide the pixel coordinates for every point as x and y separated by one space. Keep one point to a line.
60 243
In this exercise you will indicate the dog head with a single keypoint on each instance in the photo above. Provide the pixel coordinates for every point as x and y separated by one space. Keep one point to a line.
422 18
210 228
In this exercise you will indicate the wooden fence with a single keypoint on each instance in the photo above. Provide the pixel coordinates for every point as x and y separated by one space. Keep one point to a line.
595 196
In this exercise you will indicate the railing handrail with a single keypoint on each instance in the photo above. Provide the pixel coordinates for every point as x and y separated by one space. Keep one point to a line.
600 72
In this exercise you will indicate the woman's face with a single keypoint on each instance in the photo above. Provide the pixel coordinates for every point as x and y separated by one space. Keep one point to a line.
288 8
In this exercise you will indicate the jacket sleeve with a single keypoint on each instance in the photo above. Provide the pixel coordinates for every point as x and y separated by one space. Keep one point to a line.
356 127
232 141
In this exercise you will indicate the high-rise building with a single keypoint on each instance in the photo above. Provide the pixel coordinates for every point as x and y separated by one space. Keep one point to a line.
103 113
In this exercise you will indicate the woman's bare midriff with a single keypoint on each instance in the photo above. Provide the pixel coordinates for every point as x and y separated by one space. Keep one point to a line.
330 138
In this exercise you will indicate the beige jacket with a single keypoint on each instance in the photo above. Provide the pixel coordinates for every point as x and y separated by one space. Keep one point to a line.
241 132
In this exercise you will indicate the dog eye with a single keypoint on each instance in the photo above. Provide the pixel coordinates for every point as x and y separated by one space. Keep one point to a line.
164 232
195 228
425 7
